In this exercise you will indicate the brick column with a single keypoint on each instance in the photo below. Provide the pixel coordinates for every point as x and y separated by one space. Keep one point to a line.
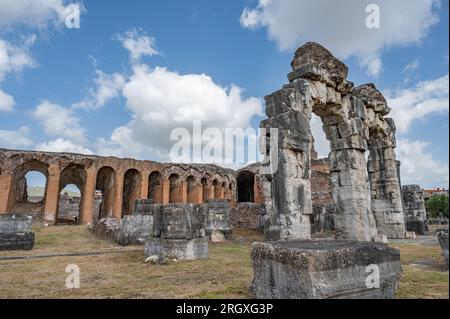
87 205
118 195
183 192
165 191
199 193
5 191
52 194
144 186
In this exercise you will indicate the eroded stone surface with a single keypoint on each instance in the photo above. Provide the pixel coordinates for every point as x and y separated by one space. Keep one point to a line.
354 122
15 232
414 207
178 233
324 269
443 241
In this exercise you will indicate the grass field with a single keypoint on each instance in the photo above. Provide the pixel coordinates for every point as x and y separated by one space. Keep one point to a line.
119 272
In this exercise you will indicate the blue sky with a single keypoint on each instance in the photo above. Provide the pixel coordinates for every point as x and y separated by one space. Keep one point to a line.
80 89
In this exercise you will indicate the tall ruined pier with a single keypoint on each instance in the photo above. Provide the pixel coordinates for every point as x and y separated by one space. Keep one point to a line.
354 122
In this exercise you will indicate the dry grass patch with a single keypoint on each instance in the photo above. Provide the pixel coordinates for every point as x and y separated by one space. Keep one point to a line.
227 273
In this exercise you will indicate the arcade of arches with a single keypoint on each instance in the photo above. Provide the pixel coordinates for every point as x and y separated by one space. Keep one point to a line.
108 186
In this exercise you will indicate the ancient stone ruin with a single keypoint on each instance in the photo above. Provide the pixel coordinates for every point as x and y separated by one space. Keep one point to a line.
414 206
15 232
178 233
324 269
366 193
443 241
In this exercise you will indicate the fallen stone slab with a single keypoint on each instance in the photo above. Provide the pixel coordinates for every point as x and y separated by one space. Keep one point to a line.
15 232
16 241
217 220
325 269
180 249
443 241
106 229
134 229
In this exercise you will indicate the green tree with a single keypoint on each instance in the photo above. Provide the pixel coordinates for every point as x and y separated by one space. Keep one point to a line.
436 205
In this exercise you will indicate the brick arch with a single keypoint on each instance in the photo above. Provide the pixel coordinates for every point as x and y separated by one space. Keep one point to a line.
131 190
73 174
18 199
167 171
105 181
155 187
175 188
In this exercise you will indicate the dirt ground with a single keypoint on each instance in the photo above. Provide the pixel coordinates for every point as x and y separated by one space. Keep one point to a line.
110 271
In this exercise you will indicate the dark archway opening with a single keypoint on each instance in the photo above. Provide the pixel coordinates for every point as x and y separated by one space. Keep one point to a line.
175 189
245 187
155 189
131 191
104 193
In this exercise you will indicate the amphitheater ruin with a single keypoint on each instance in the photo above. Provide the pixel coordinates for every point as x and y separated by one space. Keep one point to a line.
357 200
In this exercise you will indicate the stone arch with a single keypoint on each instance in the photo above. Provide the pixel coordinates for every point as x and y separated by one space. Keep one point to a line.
70 208
155 187
245 187
104 192
131 190
175 189
19 199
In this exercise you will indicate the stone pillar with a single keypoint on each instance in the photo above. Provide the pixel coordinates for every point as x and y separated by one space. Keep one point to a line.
386 194
382 165
87 205
52 194
291 191
199 193
118 195
165 191
5 191
414 205
144 185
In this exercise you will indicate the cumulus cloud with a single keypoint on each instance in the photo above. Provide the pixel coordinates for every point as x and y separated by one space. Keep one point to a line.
138 43
33 13
106 87
14 57
6 102
419 102
341 25
59 121
15 139
161 100
418 165
63 145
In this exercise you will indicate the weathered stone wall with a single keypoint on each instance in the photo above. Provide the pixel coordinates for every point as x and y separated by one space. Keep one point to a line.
247 215
443 241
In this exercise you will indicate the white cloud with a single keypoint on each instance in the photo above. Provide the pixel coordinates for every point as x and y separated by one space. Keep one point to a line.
410 69
62 145
15 139
59 121
340 25
138 44
106 88
16 57
418 165
6 102
419 102
161 100
33 13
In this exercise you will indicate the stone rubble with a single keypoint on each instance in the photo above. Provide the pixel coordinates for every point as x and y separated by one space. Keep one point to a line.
15 232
